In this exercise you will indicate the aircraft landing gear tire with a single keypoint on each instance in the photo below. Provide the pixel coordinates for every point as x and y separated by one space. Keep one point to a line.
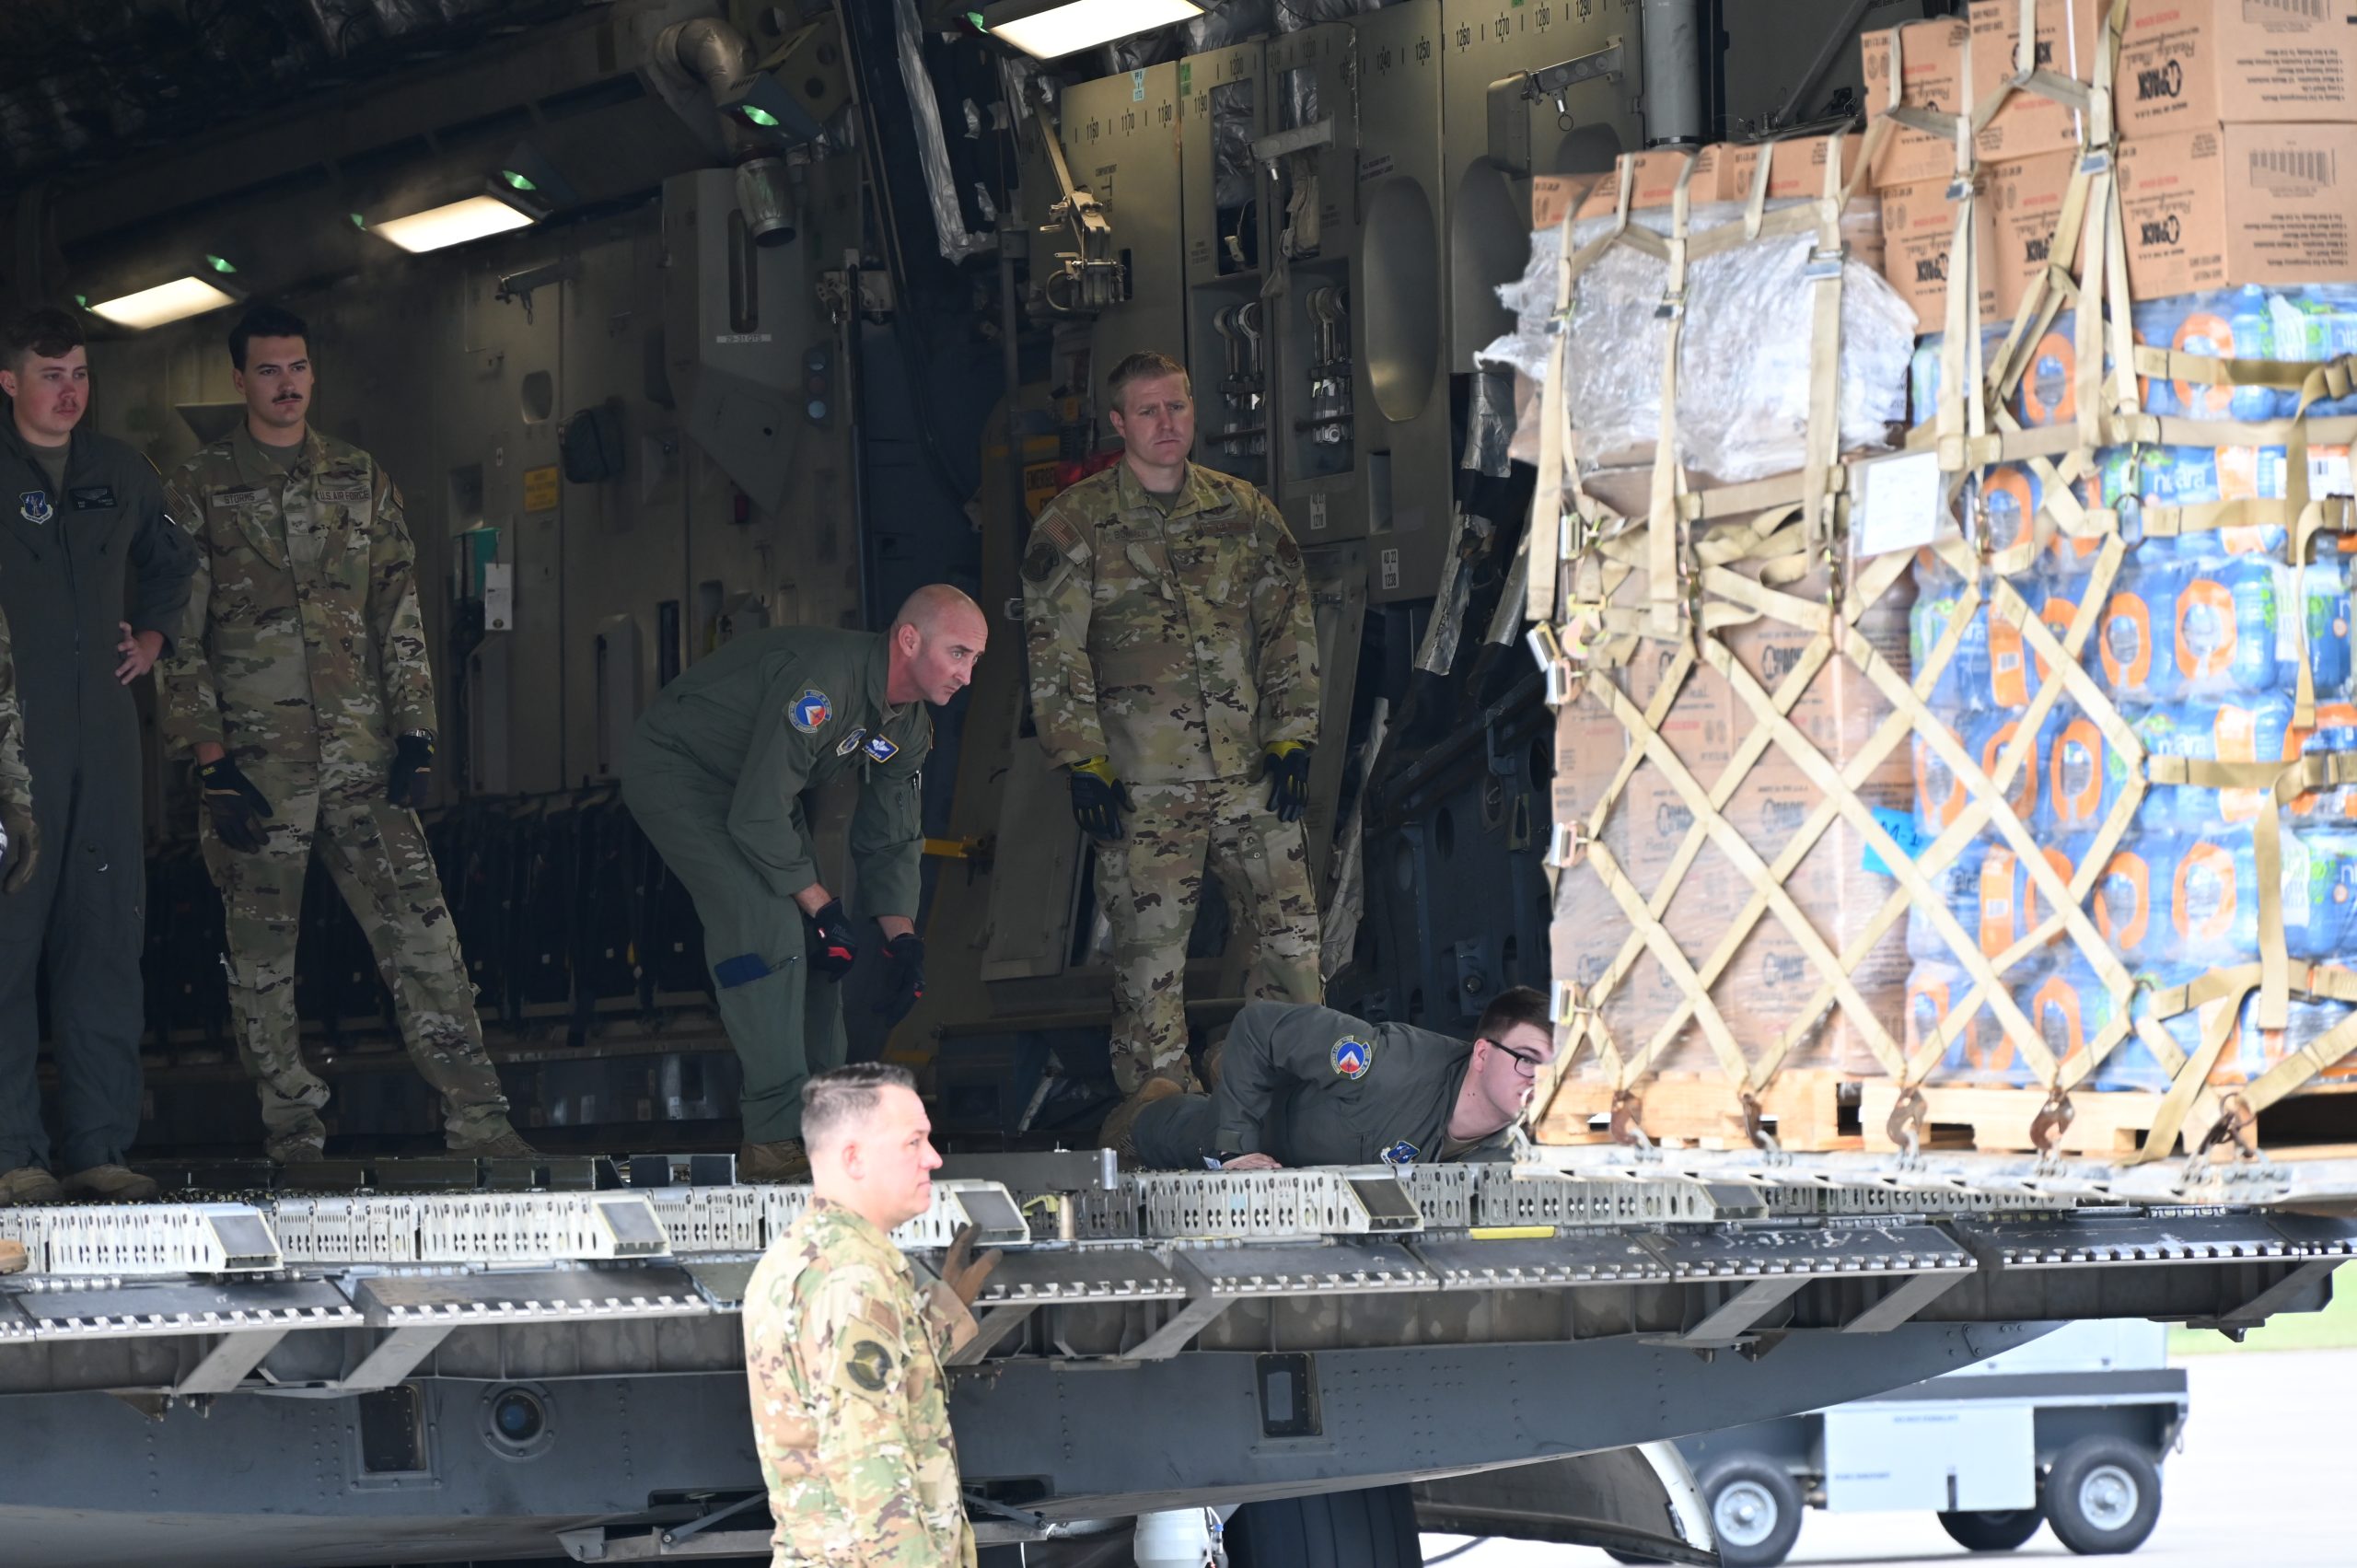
1372 1527
1991 1530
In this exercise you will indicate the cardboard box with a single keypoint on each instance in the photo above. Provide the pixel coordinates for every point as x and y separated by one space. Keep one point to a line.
1795 166
1770 979
1932 68
2025 200
1552 195
2235 204
2030 123
2193 63
1656 180
1918 235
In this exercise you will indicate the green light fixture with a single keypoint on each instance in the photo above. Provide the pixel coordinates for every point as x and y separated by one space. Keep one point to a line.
515 180
220 265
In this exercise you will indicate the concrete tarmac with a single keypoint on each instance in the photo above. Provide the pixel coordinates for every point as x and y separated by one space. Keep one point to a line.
2263 1478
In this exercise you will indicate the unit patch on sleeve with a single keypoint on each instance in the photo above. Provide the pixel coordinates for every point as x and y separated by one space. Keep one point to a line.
851 742
1352 1057
880 748
809 710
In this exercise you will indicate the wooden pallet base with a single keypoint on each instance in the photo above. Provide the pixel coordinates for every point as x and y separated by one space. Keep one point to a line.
1997 1119
1701 1111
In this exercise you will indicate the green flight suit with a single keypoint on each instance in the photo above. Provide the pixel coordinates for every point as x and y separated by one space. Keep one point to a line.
1309 1085
719 774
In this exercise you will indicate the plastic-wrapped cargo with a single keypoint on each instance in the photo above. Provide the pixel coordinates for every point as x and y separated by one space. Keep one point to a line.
1742 348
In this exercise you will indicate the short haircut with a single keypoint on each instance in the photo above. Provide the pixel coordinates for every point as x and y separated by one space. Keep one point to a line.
836 1100
45 332
265 321
1515 1004
1143 365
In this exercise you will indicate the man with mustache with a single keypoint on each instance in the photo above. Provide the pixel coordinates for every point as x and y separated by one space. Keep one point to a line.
80 515
1174 679
301 689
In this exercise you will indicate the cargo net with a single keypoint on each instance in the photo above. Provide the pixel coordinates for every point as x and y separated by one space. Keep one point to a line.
2065 802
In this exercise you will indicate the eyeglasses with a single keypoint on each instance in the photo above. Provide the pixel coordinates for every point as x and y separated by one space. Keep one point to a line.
1525 1062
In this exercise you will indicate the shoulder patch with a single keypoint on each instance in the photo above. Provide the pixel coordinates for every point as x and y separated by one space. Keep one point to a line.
1039 561
880 748
1353 1056
851 742
34 507
808 712
1058 530
867 1363
1288 552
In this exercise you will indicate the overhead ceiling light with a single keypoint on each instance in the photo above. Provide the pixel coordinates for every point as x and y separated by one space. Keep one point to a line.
174 301
1048 30
472 217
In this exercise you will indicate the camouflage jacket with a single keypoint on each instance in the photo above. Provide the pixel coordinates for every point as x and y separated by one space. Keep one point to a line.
851 1417
304 640
1179 645
15 783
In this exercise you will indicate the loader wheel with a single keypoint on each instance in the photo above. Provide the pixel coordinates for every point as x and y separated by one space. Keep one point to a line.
1372 1527
2103 1496
1755 1511
1991 1530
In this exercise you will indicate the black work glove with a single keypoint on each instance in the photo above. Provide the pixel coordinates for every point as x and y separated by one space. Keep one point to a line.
832 951
412 772
237 807
1098 799
20 850
904 981
1286 767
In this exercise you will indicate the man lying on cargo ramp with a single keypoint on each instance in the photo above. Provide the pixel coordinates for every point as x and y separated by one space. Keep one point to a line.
1301 1086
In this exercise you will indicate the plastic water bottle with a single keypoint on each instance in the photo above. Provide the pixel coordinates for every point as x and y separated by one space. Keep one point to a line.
2131 901
1936 990
2085 772
2215 914
2227 324
1958 886
2229 625
1940 795
2063 858
2000 922
2256 1050
1985 737
2312 324
2048 390
2070 1007
2325 622
1940 598
2329 899
2012 669
2010 497
2136 642
2167 731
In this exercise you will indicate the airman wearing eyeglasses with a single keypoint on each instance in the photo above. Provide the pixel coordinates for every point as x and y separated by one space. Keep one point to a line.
1301 1086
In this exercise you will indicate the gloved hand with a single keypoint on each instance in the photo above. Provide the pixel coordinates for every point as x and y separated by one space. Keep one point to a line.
238 808
1098 799
1286 767
832 951
413 770
962 1271
904 981
21 851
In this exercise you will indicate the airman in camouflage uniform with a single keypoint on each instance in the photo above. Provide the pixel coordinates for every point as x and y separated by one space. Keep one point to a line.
1172 654
843 1347
302 667
15 783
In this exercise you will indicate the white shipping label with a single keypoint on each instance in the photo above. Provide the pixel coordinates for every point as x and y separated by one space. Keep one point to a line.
1898 505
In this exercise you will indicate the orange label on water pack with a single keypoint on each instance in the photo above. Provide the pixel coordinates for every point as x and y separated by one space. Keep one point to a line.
2009 500
2198 400
2205 629
2025 798
2125 640
2056 1011
2124 900
1999 929
2075 775
2036 911
1940 796
2204 894
2246 539
2057 613
2008 664
2049 387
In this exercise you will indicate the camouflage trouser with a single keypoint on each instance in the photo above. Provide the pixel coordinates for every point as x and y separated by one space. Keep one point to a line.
1150 881
375 853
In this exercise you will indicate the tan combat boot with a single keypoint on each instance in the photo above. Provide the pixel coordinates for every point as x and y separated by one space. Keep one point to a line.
30 1184
784 1160
112 1184
496 1140
1115 1133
